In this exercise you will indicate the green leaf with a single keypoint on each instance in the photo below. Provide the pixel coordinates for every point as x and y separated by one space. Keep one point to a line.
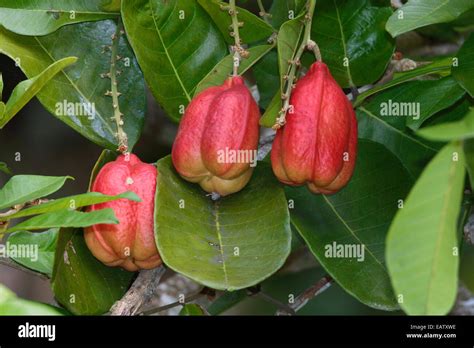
422 244
10 304
416 101
72 94
32 17
27 89
24 188
357 217
105 157
468 147
464 71
66 218
174 54
4 167
71 202
192 309
267 78
229 244
223 69
448 131
391 132
254 29
287 43
43 244
440 67
352 40
419 13
284 10
268 119
226 301
80 282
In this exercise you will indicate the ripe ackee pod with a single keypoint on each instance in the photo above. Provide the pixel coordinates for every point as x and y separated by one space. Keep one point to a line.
217 140
129 244
318 144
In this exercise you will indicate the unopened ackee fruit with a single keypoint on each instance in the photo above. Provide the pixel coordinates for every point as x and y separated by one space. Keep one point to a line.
218 137
317 145
129 244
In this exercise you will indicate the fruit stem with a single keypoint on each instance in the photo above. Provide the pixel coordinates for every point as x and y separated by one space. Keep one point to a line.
114 93
264 14
306 43
239 51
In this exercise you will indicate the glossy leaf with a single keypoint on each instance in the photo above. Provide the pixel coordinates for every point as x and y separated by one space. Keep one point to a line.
223 69
73 94
419 13
271 113
66 218
174 54
422 244
192 309
24 188
105 157
441 67
226 301
80 282
357 217
10 304
229 244
44 243
267 77
287 43
27 89
284 10
416 101
71 202
254 28
458 130
352 39
464 71
391 132
32 17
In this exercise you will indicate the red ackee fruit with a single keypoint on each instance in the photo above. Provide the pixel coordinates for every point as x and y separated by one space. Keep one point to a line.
317 145
129 244
220 120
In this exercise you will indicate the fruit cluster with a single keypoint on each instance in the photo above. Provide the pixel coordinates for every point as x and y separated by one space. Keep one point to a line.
316 147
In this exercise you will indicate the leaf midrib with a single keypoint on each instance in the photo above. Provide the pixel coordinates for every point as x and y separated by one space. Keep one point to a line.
107 125
343 40
167 53
352 232
443 217
369 113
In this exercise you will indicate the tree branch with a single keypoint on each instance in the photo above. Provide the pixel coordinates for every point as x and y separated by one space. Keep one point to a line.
140 293
300 301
